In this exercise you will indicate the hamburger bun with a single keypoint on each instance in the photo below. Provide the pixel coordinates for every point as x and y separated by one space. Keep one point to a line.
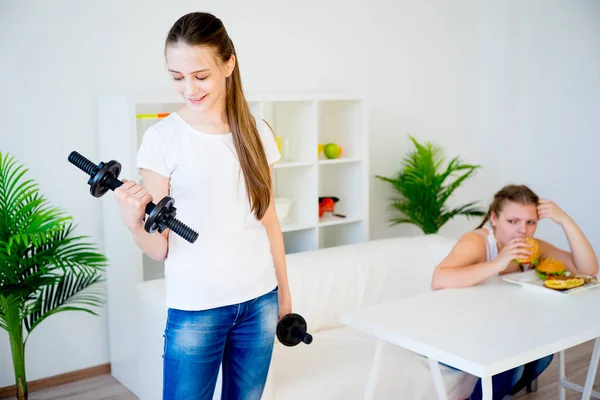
561 282
535 252
549 267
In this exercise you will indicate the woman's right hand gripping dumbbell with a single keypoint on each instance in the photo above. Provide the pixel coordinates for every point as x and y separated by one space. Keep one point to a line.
131 201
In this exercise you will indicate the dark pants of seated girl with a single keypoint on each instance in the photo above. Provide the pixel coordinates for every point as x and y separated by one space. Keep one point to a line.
514 380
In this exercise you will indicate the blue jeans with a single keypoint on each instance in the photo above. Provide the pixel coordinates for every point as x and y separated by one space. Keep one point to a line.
514 380
240 336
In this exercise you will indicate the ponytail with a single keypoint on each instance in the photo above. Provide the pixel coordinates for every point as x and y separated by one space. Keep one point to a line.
249 147
486 218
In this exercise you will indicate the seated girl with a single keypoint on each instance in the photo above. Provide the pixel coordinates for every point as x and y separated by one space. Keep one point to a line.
493 246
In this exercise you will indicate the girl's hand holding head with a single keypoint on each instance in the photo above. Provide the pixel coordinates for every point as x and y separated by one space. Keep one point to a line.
131 201
548 209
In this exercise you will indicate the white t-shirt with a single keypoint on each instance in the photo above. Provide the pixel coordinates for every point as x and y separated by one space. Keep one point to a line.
231 260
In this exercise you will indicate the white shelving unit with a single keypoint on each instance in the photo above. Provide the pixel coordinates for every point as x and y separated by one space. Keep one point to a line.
303 175
303 121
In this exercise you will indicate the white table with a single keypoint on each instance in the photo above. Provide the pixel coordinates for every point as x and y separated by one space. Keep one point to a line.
486 329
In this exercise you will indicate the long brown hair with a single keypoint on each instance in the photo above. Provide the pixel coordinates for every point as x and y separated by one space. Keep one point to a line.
204 29
516 193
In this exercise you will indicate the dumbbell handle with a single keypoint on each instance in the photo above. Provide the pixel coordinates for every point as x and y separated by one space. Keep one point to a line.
302 335
113 183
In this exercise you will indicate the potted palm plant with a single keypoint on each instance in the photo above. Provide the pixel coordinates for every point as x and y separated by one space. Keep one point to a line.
44 267
423 187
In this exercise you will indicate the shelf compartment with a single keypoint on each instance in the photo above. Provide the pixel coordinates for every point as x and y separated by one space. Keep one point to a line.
346 182
342 122
338 235
295 123
299 241
298 185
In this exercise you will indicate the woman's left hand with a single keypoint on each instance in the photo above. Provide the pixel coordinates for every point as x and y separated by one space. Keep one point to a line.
548 209
285 305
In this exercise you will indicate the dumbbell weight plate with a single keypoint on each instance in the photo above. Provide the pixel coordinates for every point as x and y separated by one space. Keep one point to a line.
99 182
287 328
156 221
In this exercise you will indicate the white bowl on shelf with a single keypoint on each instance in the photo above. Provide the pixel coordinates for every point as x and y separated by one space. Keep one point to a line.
282 208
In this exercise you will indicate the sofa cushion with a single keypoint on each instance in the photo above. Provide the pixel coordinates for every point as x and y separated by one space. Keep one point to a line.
337 365
402 267
327 282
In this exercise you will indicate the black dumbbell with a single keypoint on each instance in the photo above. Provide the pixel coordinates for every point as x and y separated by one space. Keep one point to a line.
104 176
291 330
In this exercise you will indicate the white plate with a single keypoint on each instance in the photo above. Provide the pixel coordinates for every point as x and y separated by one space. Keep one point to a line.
530 279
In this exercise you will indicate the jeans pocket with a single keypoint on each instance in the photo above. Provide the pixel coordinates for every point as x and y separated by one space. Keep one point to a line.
164 345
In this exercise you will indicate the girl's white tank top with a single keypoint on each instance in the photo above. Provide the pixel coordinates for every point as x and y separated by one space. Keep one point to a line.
491 245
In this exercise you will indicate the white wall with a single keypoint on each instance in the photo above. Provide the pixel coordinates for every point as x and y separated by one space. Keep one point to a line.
469 77
553 108
511 85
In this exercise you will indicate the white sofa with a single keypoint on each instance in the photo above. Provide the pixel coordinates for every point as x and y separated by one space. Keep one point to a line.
336 365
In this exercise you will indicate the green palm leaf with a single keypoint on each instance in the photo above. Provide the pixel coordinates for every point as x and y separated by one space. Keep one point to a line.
423 188
44 267
66 294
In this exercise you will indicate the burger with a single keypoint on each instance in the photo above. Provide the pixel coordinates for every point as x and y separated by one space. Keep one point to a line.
535 252
550 267
561 282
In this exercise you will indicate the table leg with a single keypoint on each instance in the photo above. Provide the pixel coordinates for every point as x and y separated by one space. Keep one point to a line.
591 375
438 381
372 382
564 384
562 395
486 387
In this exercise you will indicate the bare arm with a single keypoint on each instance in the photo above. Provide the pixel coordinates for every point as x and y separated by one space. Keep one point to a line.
465 265
273 228
581 259
132 199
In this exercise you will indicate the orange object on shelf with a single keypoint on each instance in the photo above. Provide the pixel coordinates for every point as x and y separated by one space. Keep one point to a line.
152 116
